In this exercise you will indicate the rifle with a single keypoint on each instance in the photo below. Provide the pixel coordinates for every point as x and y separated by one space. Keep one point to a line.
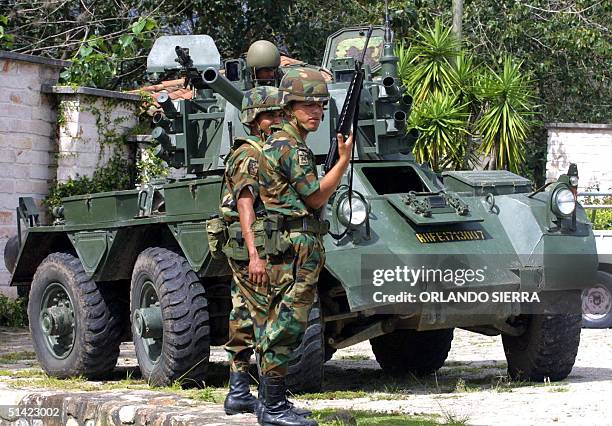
349 109
191 73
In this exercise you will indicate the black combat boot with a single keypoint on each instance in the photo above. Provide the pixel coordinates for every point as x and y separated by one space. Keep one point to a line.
277 411
239 398
297 410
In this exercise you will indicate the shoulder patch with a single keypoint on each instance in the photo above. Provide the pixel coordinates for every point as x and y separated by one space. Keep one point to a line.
303 157
253 167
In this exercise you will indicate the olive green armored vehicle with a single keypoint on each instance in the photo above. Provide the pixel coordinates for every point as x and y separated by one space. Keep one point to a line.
135 265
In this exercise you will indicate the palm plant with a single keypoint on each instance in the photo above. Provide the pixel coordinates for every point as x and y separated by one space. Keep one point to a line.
441 122
431 63
505 123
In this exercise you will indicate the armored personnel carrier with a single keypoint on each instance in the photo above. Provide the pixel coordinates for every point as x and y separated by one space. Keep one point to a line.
136 265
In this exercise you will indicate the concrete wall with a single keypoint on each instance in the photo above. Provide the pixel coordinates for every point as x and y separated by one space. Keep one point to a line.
587 145
89 120
27 132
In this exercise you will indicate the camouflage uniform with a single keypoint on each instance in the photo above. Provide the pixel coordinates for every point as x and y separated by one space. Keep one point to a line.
288 175
249 300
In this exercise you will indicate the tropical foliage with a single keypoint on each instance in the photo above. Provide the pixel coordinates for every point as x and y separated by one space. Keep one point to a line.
431 59
456 100
504 126
442 125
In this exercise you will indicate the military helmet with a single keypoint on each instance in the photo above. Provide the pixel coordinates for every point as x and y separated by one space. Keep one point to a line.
303 84
263 54
259 99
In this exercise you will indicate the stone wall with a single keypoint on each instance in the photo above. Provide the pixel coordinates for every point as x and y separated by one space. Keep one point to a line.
587 145
27 132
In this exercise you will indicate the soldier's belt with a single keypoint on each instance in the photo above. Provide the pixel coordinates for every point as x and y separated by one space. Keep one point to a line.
277 228
306 224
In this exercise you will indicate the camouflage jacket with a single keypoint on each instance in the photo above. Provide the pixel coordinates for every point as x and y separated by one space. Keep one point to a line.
241 171
287 173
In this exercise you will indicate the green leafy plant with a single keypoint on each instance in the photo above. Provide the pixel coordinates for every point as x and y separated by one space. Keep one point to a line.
508 108
441 123
99 61
150 166
13 312
458 103
117 174
6 40
431 58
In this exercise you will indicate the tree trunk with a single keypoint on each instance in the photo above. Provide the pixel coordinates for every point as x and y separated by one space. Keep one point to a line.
457 18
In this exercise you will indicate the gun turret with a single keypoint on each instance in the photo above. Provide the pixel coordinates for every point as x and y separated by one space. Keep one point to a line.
223 86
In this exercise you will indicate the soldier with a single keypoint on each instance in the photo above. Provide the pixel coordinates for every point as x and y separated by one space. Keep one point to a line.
242 210
263 60
293 197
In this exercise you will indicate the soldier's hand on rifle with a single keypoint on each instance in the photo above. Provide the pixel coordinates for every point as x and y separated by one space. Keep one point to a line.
257 271
345 148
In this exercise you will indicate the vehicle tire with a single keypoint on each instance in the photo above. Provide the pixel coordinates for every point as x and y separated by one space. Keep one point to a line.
597 303
548 347
306 368
170 324
410 351
74 323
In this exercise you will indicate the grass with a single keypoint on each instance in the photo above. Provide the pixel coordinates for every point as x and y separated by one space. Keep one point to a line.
330 417
354 357
14 357
462 387
23 374
338 394
207 394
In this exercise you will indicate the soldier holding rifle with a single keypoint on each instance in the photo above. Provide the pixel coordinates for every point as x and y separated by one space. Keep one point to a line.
293 197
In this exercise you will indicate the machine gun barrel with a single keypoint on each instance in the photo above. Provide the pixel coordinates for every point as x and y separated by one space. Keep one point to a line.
223 86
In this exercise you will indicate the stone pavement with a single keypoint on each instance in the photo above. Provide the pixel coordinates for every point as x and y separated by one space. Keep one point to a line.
109 407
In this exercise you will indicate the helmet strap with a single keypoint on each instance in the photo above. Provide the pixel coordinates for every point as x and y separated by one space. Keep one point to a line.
295 122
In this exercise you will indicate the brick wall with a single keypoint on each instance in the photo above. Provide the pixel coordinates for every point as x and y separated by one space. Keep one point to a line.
587 145
27 130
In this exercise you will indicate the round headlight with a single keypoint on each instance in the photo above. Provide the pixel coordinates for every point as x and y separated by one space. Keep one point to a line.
563 202
574 180
359 213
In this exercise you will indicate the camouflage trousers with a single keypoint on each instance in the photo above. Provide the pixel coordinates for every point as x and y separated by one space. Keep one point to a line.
293 280
247 317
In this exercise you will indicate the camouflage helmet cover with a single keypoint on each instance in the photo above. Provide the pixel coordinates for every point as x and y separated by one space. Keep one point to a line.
257 100
263 54
303 84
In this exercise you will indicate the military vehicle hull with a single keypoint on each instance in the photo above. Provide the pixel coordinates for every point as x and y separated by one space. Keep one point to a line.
136 264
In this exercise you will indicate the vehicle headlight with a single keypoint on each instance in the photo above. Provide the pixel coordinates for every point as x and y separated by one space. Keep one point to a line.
563 202
359 211
574 180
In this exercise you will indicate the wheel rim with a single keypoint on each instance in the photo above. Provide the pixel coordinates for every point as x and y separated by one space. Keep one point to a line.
56 320
596 303
147 321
